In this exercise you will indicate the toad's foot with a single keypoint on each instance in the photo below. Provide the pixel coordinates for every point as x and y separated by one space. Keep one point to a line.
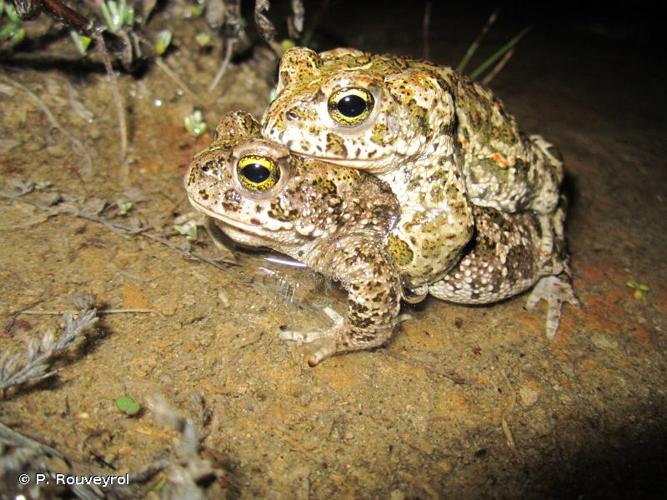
312 336
342 337
555 290
327 339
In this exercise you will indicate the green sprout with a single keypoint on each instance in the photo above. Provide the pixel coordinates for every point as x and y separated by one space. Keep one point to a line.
159 485
287 44
12 30
195 124
203 39
189 230
42 185
124 207
194 11
128 405
496 56
639 288
82 42
163 41
117 15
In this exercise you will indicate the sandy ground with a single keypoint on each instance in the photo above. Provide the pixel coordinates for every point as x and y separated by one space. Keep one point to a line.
465 402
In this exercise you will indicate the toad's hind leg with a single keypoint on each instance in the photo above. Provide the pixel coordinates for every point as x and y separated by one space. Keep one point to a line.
554 290
555 286
373 300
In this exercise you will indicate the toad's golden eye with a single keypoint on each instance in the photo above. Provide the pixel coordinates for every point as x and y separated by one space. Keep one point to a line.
350 106
257 173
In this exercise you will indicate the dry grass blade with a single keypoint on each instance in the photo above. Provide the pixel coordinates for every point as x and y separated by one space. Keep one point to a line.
232 30
229 50
118 101
265 27
164 67
19 453
188 469
295 21
497 68
426 26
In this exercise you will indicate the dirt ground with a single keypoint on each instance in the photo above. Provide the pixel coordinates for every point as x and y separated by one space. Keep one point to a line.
465 402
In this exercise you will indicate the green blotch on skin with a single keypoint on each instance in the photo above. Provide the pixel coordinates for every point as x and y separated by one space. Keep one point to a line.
380 134
400 251
336 145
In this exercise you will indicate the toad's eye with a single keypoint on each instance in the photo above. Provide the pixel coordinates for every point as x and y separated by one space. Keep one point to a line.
350 106
257 173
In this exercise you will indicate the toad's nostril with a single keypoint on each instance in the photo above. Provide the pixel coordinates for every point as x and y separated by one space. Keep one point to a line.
292 115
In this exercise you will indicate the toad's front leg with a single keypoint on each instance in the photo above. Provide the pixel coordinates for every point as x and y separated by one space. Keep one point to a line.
373 300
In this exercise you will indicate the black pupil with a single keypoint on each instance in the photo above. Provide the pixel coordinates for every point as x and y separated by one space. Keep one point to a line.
255 172
351 106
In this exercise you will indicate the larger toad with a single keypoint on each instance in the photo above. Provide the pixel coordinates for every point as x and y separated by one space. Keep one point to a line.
439 140
339 222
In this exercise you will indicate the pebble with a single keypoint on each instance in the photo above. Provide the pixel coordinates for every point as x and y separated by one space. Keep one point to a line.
56 150
604 341
528 396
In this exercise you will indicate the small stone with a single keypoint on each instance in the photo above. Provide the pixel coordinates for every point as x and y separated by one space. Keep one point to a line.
528 396
56 150
33 145
604 341
445 466
396 495
94 132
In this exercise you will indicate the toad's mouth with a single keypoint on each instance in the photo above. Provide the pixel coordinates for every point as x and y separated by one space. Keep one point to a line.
249 229
370 164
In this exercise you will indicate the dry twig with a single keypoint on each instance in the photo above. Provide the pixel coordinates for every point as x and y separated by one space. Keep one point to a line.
232 31
187 468
426 25
498 67
118 101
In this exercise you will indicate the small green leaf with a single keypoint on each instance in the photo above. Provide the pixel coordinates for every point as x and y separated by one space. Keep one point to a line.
13 14
195 124
128 405
42 185
189 230
287 44
117 15
124 207
159 485
163 41
639 288
194 11
81 41
203 39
